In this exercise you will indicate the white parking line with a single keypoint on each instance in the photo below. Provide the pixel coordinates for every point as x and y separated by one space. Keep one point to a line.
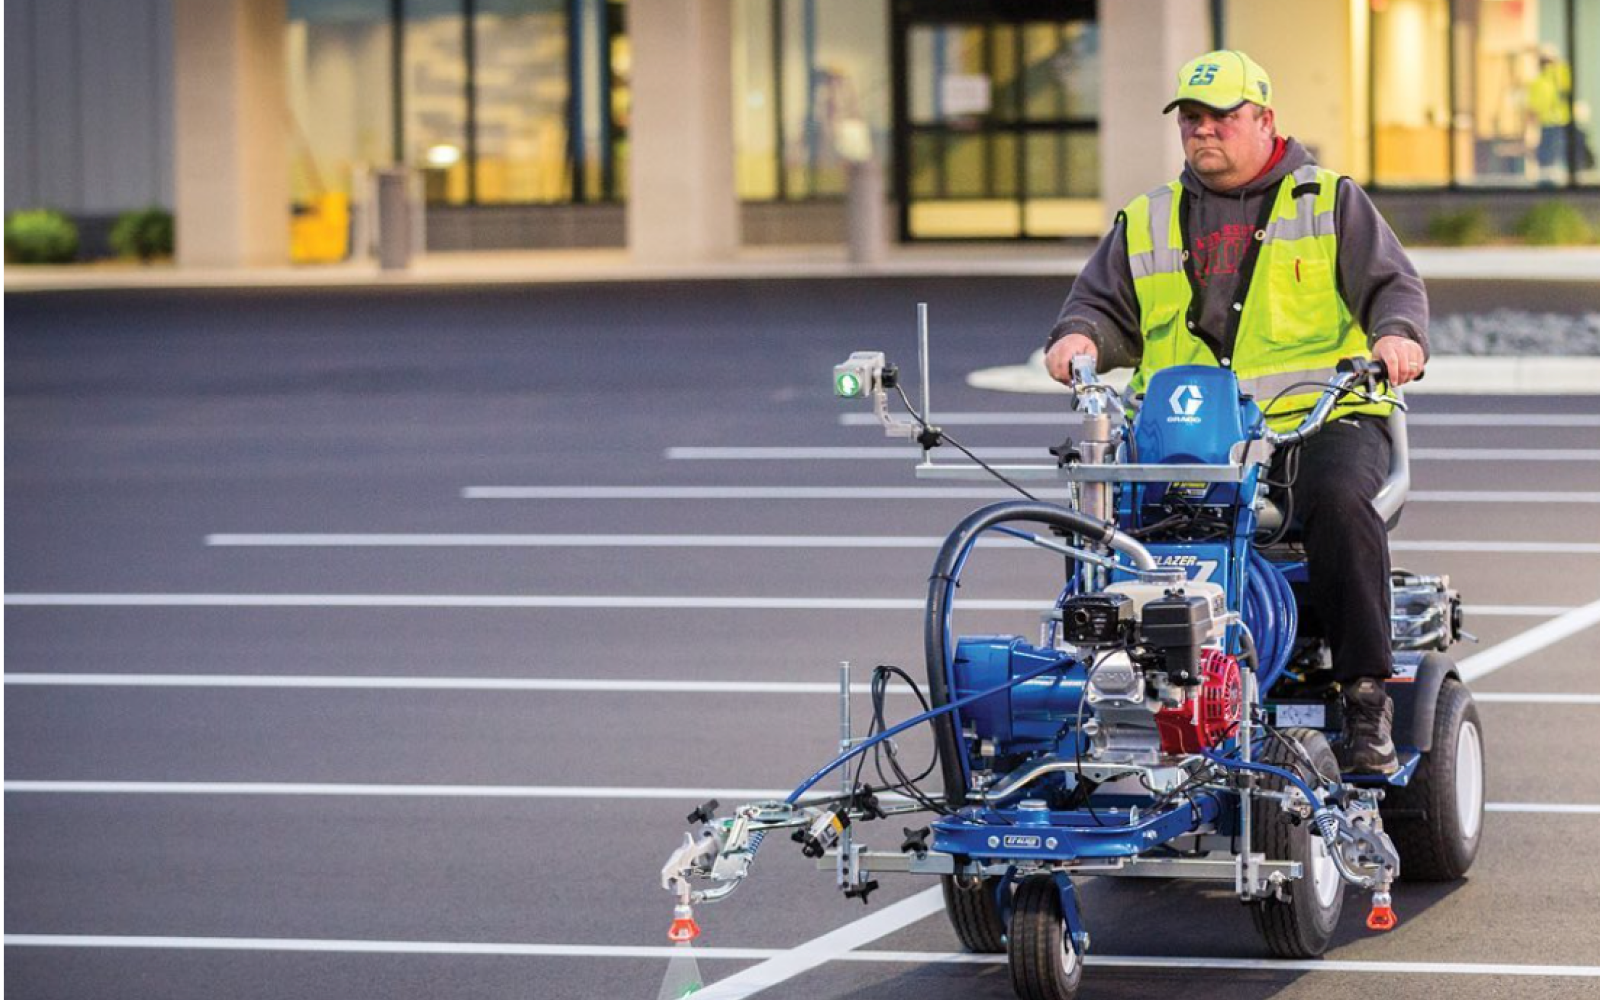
1062 418
544 684
1535 698
923 493
295 681
1545 634
702 541
615 794
565 601
1040 454
518 950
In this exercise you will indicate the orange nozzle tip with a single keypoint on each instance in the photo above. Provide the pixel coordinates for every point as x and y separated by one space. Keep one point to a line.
683 929
1382 918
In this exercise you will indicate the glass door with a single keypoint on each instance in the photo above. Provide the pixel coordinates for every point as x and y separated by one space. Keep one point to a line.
996 121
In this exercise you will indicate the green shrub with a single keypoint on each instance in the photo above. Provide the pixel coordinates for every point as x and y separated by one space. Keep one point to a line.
1555 223
144 233
1468 227
41 236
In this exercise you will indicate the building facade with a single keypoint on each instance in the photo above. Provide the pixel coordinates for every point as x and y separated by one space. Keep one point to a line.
605 122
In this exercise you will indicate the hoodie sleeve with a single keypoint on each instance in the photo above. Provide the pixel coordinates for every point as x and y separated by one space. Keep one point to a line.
1101 304
1376 278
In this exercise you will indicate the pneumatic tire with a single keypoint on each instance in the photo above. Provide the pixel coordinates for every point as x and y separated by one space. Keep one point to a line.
974 911
1436 819
1044 964
1303 925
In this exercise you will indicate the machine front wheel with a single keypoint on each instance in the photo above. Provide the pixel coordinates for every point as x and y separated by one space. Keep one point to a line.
974 911
1044 964
1302 925
1436 820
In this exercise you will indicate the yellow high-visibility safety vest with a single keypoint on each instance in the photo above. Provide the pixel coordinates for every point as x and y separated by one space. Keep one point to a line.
1292 324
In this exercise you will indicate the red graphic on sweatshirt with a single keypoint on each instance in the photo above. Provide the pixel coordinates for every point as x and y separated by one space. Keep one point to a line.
1221 251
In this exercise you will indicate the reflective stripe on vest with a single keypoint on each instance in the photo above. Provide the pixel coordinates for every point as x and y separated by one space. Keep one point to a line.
1294 326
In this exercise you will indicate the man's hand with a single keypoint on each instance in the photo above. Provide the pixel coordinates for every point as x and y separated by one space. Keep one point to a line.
1058 360
1402 356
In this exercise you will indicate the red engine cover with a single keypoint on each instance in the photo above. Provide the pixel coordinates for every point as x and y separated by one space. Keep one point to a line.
1211 714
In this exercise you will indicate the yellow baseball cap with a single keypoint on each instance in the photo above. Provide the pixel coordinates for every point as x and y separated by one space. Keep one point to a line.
1222 80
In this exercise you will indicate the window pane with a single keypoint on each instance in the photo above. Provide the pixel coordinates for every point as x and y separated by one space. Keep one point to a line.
1410 72
1586 96
1064 165
340 92
835 71
1062 75
433 83
521 91
754 111
1513 92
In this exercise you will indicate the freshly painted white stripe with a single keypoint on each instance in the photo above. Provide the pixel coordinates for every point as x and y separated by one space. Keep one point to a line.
845 453
511 949
615 794
642 686
155 600
820 950
1529 642
1000 418
918 493
1536 698
750 493
385 790
703 541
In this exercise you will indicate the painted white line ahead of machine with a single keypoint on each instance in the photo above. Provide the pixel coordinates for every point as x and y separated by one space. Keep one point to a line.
850 453
510 949
544 684
821 950
1000 418
565 601
618 794
1529 642
663 541
919 493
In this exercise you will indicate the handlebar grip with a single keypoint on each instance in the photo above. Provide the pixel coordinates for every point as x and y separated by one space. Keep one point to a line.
1370 367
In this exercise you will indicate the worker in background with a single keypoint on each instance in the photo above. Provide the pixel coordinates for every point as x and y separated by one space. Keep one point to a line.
1550 106
1259 260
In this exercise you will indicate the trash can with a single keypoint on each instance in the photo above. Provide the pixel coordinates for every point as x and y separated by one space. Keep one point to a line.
394 219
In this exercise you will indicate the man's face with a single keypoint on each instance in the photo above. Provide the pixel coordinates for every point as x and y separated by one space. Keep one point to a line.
1226 148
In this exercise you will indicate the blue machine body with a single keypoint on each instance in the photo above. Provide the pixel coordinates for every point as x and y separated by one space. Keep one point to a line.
1191 415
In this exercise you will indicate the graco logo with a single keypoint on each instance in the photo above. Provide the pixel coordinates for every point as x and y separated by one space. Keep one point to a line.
1015 840
1186 400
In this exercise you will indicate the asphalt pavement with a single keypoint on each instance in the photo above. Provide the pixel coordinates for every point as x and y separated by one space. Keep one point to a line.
348 634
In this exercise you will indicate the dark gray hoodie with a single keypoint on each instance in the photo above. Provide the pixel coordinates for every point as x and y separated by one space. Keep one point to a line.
1376 278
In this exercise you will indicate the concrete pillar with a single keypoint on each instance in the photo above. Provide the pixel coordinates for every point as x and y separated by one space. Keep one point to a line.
1142 45
682 203
233 140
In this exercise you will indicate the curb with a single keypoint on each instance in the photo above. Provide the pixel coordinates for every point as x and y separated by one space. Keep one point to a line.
1545 376
1581 264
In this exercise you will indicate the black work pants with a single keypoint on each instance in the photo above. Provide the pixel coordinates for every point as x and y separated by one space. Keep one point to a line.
1347 544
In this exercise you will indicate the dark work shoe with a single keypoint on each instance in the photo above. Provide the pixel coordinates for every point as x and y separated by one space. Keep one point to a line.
1367 746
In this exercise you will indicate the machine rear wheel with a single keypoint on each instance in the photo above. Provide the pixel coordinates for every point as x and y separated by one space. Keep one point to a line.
1044 964
1436 820
1302 925
974 912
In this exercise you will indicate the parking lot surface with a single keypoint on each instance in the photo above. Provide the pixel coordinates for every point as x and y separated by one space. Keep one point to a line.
349 638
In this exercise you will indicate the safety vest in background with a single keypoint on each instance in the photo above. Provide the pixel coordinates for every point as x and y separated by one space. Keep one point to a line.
1292 324
1550 95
